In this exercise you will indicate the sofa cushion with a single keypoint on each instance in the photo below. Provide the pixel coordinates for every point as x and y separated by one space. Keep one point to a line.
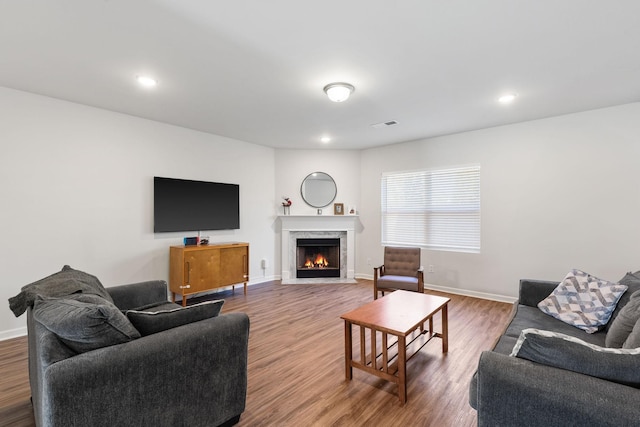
624 323
398 282
570 353
633 340
632 282
156 319
532 317
65 282
583 301
84 322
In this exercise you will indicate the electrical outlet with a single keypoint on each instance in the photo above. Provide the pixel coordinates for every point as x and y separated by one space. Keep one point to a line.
431 269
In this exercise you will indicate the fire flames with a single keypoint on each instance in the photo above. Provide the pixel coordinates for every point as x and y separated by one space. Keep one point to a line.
319 262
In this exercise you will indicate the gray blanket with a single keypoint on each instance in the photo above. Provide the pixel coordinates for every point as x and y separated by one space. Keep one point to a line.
65 282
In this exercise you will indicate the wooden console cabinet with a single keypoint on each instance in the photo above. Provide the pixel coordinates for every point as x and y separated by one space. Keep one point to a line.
194 269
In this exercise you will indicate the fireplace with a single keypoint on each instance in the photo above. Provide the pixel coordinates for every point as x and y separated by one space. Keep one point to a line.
317 257
295 227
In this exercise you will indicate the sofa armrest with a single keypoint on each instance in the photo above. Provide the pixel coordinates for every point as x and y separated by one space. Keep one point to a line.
517 392
534 291
193 375
127 297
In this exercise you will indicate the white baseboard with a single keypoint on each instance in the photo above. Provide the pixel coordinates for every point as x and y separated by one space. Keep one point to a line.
474 294
13 333
456 291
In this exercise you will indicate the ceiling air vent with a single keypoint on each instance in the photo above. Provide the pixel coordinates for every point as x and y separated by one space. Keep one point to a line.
385 124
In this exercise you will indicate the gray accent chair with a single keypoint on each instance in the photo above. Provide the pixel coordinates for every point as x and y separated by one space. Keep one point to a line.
401 270
190 375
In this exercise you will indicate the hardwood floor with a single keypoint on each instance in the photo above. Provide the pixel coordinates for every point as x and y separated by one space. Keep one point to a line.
296 362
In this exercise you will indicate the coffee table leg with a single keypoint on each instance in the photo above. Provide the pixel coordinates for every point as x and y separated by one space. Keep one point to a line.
445 329
348 350
402 369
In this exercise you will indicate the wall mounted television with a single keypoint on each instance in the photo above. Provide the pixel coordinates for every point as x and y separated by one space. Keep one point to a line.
186 205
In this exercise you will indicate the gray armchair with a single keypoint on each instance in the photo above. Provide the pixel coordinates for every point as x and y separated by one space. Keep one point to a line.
190 375
401 270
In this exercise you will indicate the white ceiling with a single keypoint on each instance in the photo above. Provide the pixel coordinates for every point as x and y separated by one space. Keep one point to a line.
254 70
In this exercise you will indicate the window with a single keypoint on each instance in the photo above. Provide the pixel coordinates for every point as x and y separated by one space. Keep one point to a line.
433 209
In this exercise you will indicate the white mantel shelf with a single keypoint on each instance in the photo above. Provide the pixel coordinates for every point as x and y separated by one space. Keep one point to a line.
311 223
318 216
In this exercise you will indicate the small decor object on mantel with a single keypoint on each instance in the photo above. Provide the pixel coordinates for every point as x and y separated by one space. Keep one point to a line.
286 204
338 208
352 210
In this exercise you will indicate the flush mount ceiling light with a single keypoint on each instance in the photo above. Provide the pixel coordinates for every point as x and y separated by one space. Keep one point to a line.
325 139
338 92
147 81
507 98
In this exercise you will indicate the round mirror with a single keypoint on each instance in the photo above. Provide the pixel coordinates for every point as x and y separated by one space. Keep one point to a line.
318 189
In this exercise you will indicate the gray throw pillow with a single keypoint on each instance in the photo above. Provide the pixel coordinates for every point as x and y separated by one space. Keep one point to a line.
570 353
624 322
152 321
632 281
65 282
84 322
633 340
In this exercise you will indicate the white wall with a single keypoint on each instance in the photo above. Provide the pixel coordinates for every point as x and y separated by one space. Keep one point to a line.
556 194
76 187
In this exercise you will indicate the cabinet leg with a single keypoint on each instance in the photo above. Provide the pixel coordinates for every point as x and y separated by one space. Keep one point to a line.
184 300
245 288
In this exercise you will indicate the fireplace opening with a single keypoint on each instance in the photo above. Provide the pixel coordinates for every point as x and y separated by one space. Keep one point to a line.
317 258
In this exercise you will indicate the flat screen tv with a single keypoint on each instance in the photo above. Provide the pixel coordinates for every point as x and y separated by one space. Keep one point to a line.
186 205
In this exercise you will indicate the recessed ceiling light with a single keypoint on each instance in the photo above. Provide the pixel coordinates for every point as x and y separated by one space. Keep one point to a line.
507 98
147 81
325 139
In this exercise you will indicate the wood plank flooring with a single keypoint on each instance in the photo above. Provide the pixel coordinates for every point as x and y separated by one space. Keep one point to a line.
296 362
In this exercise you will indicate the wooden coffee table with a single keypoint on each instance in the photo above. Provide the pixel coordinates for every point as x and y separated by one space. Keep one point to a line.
402 315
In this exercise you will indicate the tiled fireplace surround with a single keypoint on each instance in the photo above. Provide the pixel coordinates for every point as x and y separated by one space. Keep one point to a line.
317 226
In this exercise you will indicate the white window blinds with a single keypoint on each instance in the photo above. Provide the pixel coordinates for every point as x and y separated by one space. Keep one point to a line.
434 209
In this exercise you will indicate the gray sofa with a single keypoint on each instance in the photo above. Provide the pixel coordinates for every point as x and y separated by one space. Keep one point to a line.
513 391
190 375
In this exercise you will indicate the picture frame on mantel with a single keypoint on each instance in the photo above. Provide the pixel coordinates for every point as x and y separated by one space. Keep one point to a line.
338 208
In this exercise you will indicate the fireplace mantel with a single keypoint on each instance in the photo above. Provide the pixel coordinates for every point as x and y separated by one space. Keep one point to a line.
316 223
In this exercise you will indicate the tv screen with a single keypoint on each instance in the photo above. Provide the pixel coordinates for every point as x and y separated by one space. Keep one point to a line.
185 205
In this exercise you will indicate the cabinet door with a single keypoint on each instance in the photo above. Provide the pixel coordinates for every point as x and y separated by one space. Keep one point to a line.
200 268
234 265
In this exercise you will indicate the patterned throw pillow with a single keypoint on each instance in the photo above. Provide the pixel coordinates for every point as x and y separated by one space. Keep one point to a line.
583 301
572 354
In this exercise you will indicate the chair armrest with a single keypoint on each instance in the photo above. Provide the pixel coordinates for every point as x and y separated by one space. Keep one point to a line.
127 297
517 392
534 291
195 374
